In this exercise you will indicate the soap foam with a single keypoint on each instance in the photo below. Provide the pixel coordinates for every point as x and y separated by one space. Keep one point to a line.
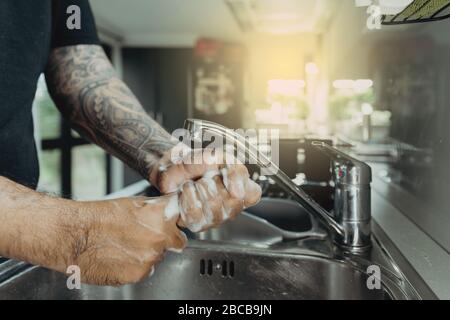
153 201
193 190
211 184
240 186
172 209
188 220
175 250
152 271
224 172
207 211
163 168
225 213
197 227
210 174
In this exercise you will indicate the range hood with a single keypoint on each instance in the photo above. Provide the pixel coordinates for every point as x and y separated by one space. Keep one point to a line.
419 11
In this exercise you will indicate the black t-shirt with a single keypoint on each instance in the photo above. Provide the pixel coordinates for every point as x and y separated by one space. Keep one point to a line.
28 32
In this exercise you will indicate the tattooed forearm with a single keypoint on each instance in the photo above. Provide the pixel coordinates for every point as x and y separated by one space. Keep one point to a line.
100 106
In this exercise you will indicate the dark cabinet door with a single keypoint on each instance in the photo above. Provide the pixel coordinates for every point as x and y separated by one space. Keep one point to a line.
159 79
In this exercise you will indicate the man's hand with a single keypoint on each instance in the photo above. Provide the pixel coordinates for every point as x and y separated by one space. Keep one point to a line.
211 191
113 242
124 239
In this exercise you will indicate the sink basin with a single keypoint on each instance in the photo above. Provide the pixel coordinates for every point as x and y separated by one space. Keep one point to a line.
269 222
247 258
284 214
213 272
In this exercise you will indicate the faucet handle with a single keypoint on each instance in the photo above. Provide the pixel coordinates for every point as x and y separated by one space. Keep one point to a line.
346 169
351 198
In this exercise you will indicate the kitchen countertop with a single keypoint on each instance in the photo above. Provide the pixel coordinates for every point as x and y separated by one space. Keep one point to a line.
429 259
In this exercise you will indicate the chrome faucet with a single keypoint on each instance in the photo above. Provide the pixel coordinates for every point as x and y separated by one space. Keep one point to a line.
352 202
350 223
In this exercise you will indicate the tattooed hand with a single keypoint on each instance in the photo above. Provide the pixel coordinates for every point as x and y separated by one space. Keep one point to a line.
100 106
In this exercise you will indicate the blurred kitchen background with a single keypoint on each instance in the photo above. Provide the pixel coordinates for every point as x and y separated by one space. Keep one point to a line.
311 68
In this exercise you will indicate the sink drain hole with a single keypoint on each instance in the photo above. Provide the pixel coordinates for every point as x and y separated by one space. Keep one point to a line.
210 268
231 269
202 267
206 267
224 269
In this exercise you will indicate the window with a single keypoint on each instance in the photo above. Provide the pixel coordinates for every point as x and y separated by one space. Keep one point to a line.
89 172
69 165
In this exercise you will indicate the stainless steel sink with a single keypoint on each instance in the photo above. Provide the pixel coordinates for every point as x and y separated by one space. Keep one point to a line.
214 272
248 258
283 213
